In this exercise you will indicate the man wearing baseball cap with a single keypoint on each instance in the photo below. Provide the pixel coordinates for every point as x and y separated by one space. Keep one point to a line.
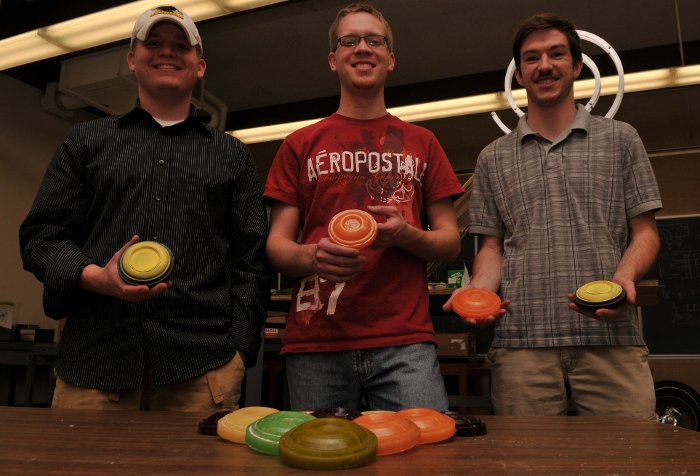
145 22
157 173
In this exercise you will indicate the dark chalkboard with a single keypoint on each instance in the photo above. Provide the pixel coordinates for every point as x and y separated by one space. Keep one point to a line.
672 326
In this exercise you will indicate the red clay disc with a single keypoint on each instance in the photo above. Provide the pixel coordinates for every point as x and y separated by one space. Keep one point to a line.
353 228
476 303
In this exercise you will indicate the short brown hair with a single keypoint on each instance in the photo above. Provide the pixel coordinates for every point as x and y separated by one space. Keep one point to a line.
547 21
359 8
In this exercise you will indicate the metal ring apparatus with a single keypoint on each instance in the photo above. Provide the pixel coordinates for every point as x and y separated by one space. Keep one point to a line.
591 38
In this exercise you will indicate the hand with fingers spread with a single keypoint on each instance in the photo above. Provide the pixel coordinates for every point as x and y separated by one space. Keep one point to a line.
608 313
482 321
106 281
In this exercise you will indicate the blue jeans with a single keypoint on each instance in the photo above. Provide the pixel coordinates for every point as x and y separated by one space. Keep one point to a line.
383 378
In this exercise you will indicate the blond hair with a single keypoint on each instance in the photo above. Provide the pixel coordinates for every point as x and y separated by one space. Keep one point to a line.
359 8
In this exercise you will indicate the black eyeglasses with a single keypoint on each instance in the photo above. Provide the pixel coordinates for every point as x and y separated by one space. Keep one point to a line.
349 41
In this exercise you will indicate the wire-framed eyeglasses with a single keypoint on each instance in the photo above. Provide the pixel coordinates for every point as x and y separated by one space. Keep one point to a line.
350 41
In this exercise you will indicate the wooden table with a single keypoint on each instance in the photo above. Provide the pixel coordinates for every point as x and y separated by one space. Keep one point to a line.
40 441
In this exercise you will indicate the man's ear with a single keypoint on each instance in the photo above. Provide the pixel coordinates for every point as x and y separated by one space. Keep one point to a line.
202 68
518 76
332 61
578 67
130 61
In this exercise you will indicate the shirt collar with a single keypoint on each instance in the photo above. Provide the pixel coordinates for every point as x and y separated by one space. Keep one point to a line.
581 122
138 114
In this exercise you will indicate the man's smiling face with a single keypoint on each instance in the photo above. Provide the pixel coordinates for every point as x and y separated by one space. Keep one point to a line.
547 70
361 66
166 60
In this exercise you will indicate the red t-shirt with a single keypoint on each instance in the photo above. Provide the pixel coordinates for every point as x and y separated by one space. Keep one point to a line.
341 163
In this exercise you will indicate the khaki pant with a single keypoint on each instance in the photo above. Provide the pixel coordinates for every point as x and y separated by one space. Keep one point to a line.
603 380
215 390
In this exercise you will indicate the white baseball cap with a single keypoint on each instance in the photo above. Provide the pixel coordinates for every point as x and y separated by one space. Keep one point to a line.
149 18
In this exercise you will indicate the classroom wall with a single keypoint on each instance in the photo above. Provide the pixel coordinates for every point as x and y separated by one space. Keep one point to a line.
28 137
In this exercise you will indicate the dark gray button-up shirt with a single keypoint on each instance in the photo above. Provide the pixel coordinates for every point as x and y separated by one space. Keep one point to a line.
190 187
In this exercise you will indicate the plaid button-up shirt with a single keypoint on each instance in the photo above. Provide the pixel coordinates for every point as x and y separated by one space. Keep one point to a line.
562 209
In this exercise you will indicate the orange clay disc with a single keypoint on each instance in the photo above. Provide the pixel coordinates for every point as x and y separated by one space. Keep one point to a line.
476 303
395 434
434 426
353 228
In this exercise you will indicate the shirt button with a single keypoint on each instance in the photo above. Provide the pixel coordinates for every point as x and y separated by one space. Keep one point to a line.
161 162
157 198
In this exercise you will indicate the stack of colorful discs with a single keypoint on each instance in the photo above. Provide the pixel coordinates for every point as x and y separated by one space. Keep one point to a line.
475 303
327 444
353 228
599 294
264 434
233 426
145 262
395 434
434 426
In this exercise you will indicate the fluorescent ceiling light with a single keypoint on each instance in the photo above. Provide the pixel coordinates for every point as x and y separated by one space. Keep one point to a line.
104 27
634 82
116 23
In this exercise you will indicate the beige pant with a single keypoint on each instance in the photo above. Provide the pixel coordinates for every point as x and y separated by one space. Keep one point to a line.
604 380
215 390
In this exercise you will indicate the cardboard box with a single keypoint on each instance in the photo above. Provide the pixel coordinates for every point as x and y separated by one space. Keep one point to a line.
274 326
8 314
456 345
274 334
